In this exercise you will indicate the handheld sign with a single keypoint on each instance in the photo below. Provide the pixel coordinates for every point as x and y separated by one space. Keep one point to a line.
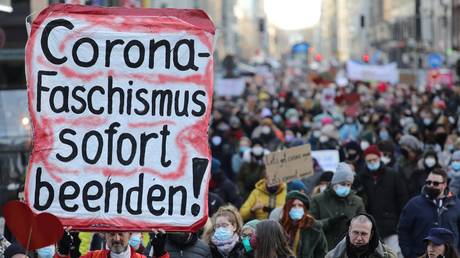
289 164
120 103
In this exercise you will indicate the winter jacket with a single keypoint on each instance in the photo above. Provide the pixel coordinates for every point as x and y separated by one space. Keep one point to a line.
105 253
333 212
270 201
250 173
420 215
384 194
381 251
313 242
194 248
407 169
237 251
226 190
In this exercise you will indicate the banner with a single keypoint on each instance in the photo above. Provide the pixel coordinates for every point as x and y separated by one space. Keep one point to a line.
230 87
327 159
365 72
289 164
120 104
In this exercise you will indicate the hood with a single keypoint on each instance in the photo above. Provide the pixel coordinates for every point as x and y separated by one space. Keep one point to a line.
374 242
261 186
340 249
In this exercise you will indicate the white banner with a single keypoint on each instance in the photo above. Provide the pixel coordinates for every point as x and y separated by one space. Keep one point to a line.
365 72
327 159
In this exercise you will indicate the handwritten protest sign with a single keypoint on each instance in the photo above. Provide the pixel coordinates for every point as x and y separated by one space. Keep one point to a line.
289 164
120 103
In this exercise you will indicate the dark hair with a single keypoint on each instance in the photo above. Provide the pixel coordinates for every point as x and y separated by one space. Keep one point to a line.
440 172
271 240
449 252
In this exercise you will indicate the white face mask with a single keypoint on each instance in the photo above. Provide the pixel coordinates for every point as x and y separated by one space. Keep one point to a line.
257 150
265 129
322 188
430 162
364 145
323 138
385 159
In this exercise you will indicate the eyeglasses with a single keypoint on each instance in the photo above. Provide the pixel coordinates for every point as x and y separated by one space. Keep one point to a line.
434 183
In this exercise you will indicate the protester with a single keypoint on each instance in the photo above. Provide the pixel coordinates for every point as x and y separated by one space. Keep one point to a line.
454 173
262 200
435 207
47 251
336 205
222 186
411 150
270 241
305 235
361 241
223 237
385 195
184 244
135 241
439 244
247 232
252 169
117 246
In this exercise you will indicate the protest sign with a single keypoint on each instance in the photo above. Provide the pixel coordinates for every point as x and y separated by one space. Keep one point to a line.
230 87
327 159
289 164
120 104
365 72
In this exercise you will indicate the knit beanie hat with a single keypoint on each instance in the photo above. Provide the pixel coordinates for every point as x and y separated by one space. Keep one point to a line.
251 224
411 142
373 149
299 196
343 173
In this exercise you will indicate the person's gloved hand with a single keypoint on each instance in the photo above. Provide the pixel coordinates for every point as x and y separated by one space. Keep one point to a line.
158 242
65 244
338 218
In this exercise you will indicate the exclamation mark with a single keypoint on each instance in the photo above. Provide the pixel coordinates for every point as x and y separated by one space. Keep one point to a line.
199 168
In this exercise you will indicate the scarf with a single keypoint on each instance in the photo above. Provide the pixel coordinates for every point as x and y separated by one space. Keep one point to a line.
125 254
225 247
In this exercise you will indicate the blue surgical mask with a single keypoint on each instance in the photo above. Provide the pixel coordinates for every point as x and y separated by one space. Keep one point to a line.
223 234
135 241
373 166
296 213
384 135
46 252
455 165
342 191
244 149
247 244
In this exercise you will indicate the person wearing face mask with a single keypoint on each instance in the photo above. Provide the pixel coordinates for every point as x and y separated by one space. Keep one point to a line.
305 236
262 200
454 173
135 241
428 163
248 232
411 153
253 168
388 148
337 204
324 182
434 207
352 153
385 195
223 237
46 252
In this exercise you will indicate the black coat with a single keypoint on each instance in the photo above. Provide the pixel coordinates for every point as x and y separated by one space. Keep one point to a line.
384 194
226 190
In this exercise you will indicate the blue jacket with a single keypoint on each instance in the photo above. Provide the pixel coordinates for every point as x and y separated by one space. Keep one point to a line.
420 215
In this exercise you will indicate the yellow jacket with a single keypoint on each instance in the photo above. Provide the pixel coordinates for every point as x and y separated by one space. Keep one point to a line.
261 194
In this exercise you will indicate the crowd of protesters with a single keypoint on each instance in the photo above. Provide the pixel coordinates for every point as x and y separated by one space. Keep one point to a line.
393 194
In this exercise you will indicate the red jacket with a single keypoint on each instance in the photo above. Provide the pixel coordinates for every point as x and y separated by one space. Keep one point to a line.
105 254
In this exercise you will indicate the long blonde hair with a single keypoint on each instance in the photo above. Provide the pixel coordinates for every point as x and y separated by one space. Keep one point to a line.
231 213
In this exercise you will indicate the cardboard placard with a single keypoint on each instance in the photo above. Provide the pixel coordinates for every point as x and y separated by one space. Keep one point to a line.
289 164
120 104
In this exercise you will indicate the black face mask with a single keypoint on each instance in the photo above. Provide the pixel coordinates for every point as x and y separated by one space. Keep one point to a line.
353 157
272 189
441 139
432 193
